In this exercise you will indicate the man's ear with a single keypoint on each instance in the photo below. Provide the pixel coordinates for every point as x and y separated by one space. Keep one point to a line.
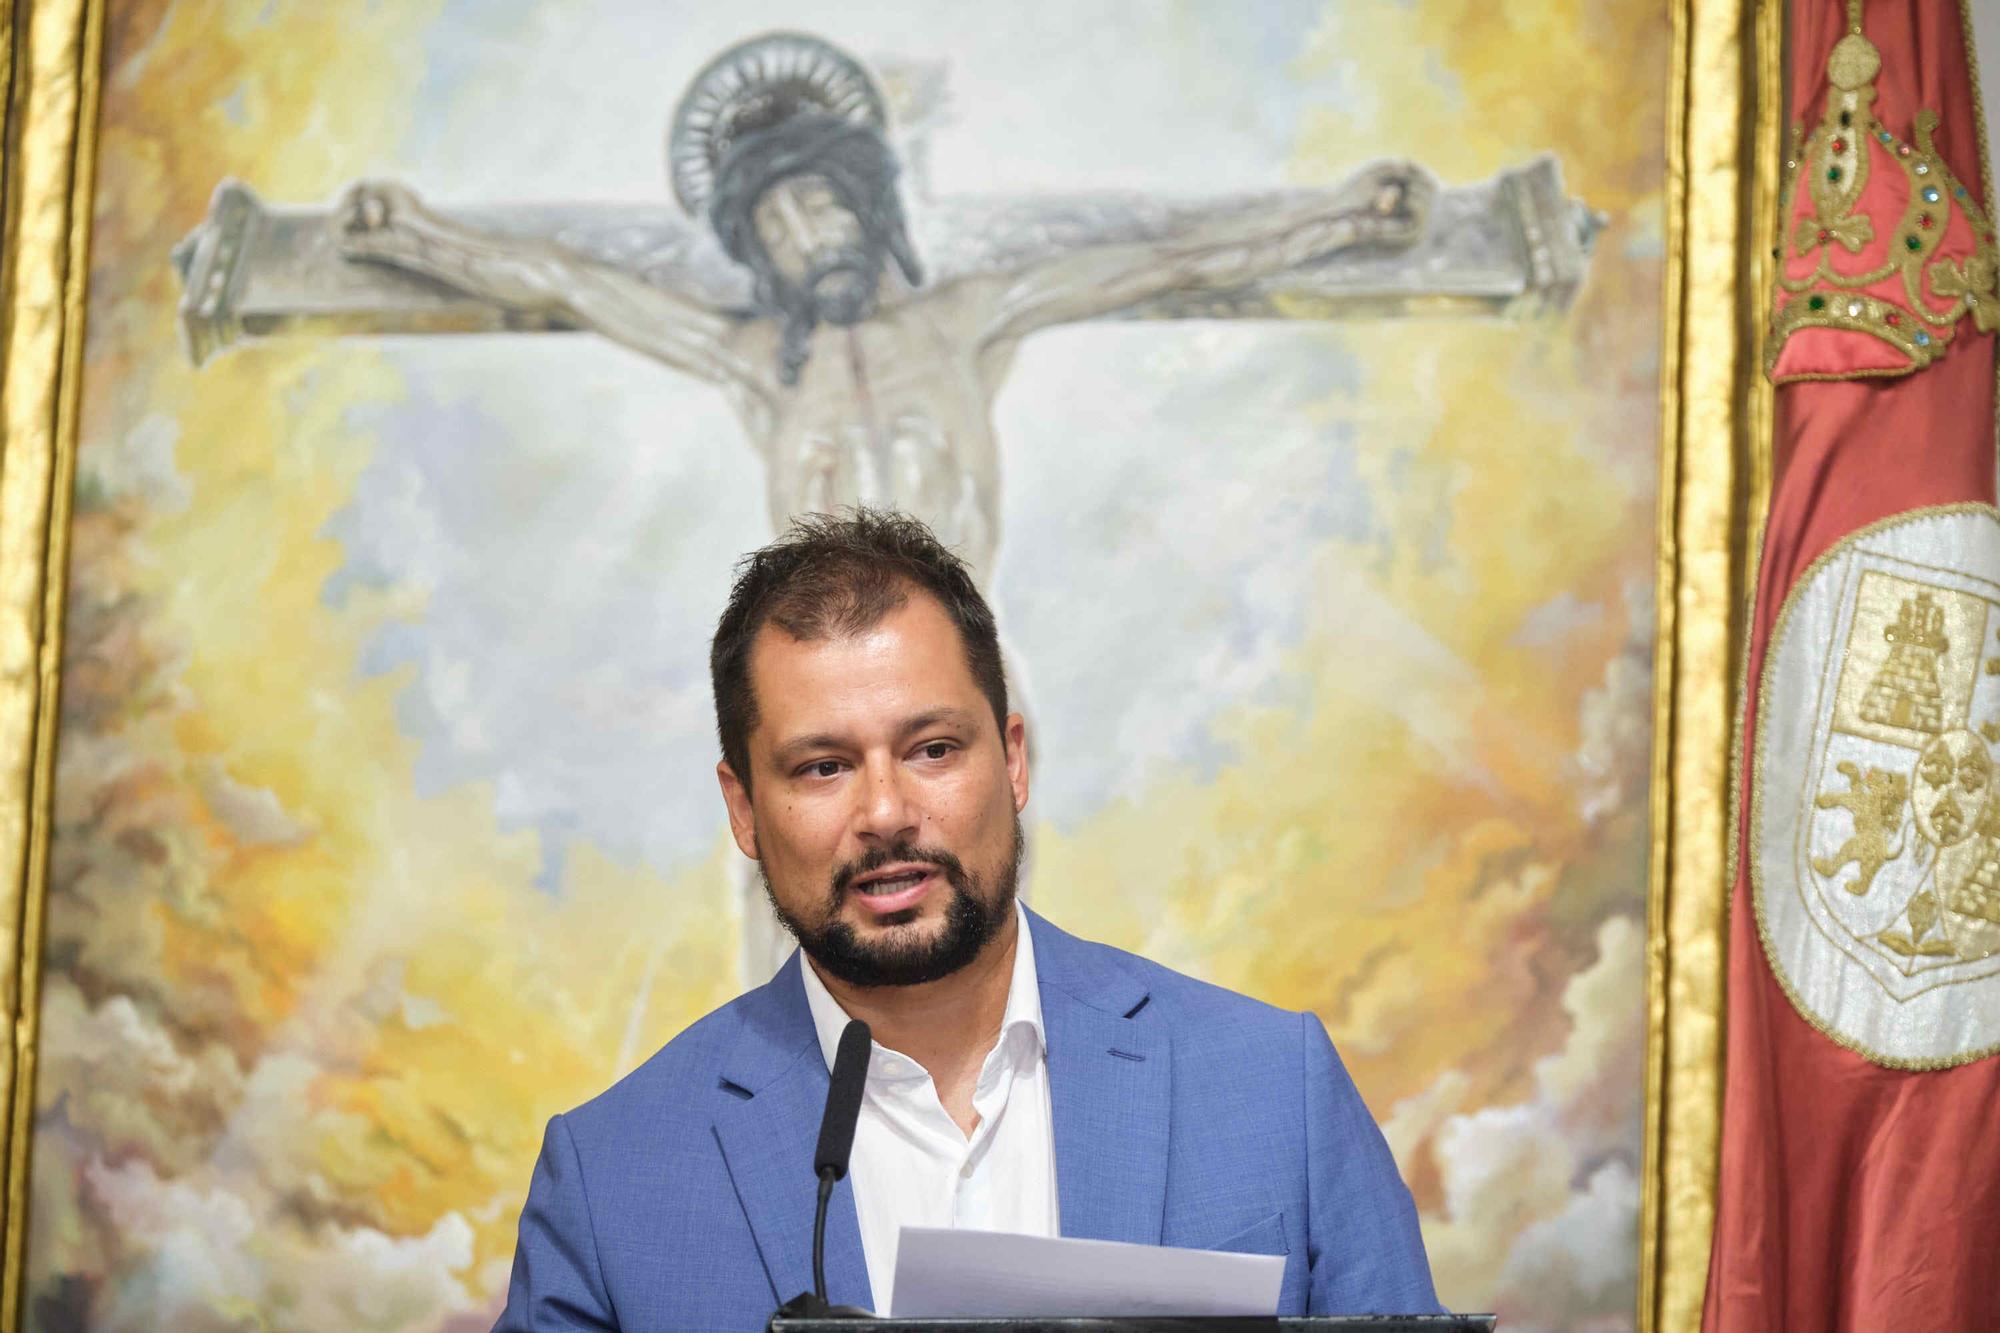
1014 735
742 823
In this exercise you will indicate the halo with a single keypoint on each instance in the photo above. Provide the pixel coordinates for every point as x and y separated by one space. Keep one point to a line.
753 86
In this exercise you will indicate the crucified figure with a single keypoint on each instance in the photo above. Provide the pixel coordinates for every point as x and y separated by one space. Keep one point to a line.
804 299
892 403
863 355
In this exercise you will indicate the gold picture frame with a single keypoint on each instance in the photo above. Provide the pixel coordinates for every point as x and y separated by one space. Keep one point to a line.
1722 151
51 57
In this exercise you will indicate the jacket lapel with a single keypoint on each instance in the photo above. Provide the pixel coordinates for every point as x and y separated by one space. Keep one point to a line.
1110 1080
773 1094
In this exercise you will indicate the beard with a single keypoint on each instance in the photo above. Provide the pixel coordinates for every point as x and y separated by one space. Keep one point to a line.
839 288
972 918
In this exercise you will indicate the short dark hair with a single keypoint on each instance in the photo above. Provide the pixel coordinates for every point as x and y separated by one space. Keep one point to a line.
834 575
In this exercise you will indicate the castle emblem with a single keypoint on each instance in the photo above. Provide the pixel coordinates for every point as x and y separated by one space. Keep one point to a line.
1905 691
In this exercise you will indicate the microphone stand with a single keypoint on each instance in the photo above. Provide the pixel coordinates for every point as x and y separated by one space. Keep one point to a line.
813 1304
836 1140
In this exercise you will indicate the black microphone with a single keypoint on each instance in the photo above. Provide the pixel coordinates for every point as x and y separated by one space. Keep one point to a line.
836 1144
836 1131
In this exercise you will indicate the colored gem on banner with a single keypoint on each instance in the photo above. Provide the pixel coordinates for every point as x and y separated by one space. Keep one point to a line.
1869 222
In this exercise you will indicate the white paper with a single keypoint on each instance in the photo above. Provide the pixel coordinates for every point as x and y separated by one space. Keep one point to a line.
944 1273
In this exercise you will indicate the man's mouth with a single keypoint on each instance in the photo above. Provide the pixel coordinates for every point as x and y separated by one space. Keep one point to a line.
894 888
891 881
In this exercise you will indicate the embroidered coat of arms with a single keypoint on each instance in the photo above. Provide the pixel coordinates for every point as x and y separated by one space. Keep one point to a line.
1876 790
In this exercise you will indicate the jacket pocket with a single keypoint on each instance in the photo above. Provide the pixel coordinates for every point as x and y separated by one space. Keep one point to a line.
1265 1237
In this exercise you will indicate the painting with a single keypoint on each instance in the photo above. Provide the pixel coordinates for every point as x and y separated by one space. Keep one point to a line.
1288 372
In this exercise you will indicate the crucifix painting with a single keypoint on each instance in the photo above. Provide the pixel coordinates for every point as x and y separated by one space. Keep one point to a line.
860 350
860 338
1288 370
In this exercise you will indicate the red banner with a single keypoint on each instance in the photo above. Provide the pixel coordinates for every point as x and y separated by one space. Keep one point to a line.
1860 1165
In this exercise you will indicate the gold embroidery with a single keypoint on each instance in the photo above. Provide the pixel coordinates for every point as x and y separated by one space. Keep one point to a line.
1974 281
1900 682
1854 63
1868 316
1904 692
1875 799
1837 149
1831 218
1948 795
1854 232
1911 659
1972 925
1835 161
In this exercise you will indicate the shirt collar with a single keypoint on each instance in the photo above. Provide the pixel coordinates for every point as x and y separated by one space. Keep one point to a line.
1024 1000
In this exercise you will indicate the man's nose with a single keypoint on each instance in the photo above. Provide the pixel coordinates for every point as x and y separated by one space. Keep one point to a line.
888 813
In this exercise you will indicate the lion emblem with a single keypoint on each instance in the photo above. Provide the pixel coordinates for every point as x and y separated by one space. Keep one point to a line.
1874 800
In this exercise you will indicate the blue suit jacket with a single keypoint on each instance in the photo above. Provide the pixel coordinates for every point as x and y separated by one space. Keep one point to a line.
1184 1115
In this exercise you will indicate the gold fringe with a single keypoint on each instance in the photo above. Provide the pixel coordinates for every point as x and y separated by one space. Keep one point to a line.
53 49
1722 201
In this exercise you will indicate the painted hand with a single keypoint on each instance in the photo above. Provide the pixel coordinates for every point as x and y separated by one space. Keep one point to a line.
377 220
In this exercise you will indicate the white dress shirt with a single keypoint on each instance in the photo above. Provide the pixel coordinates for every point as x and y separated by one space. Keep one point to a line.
912 1166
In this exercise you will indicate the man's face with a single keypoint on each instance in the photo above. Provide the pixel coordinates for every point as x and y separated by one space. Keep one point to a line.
886 797
819 247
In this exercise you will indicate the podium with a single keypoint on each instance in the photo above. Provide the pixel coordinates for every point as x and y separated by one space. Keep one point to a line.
1364 1323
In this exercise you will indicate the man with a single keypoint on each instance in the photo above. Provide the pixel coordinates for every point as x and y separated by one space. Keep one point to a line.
1022 1079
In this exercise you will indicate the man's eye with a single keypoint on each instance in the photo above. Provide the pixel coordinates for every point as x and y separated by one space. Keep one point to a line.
937 749
823 768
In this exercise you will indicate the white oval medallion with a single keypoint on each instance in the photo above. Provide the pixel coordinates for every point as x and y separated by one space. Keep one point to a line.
1875 829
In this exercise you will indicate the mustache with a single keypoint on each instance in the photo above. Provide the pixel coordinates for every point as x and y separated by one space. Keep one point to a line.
902 853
